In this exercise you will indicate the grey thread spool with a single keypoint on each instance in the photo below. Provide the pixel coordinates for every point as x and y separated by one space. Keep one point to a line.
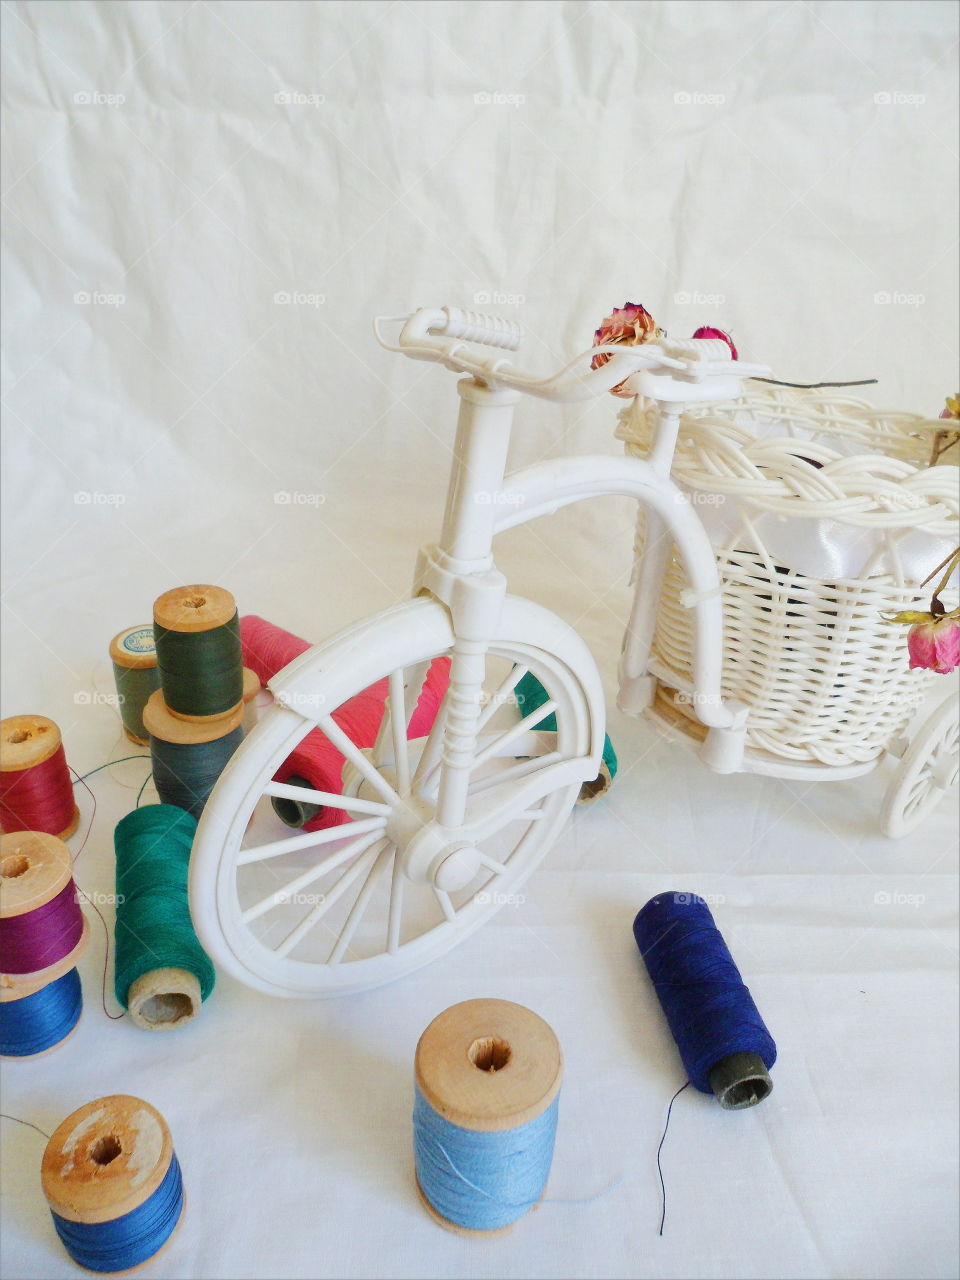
188 756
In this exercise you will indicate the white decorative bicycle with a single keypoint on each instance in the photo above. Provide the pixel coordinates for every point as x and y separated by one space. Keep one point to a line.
444 828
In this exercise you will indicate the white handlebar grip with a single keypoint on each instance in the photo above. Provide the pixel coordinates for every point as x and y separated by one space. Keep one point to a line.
492 331
697 348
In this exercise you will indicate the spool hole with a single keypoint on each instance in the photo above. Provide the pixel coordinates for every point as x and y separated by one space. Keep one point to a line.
489 1053
746 1093
167 1008
590 790
194 602
105 1149
13 865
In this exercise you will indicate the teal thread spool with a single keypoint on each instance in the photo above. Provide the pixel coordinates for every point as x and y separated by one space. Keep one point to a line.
488 1076
197 634
188 757
162 974
530 694
135 674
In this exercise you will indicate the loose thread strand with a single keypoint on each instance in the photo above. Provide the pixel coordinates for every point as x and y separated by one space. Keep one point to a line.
5 1115
663 1188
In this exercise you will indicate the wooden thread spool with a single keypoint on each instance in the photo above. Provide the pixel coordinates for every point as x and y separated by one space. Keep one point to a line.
35 868
189 622
251 690
134 656
106 1160
179 759
487 1066
29 743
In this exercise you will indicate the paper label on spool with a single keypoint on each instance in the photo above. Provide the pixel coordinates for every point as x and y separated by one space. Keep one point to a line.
139 641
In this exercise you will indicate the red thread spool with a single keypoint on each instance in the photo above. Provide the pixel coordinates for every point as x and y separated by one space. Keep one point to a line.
36 791
42 929
268 649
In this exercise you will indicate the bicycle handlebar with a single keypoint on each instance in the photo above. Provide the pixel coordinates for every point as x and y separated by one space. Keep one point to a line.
443 334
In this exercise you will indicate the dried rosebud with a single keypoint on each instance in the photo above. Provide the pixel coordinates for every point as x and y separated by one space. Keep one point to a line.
707 332
953 407
630 325
935 644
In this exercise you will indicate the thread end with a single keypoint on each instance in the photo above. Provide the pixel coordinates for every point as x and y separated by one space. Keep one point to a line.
740 1080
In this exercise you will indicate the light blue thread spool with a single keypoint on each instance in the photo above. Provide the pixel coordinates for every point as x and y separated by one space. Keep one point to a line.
488 1076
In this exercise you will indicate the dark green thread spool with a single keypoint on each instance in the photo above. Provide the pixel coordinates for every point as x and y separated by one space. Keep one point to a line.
197 635
530 694
134 657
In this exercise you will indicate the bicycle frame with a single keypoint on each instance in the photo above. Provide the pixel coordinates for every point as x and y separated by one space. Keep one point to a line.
460 572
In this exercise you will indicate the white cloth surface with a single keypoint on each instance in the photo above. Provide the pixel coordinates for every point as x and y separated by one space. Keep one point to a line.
146 440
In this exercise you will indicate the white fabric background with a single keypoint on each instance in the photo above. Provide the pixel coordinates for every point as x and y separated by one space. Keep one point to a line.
784 187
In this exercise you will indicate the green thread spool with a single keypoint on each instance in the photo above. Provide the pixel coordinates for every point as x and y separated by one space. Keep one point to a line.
530 695
188 756
134 657
162 974
197 634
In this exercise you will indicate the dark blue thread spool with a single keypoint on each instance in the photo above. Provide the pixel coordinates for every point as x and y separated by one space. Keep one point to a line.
723 1041
113 1183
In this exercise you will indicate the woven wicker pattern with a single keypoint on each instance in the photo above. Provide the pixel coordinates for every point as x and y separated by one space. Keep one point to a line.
825 678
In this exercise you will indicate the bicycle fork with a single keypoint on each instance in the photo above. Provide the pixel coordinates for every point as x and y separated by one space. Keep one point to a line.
460 572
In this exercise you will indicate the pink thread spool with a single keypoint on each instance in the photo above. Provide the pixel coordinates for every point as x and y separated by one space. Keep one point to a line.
316 762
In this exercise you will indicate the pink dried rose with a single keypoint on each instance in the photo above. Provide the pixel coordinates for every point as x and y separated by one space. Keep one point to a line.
630 325
705 331
935 644
933 640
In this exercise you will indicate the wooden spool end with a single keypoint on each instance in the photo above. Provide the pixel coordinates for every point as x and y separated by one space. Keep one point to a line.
106 1159
591 791
164 999
26 741
487 1065
34 868
134 648
199 607
251 688
15 986
160 722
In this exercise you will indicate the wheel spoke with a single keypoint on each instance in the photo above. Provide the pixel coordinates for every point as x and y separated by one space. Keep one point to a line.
517 771
498 698
357 758
491 864
397 882
515 731
358 908
430 756
398 725
445 904
326 865
316 914
307 840
329 799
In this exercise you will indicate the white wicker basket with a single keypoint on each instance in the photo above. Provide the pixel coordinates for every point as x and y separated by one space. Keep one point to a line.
826 679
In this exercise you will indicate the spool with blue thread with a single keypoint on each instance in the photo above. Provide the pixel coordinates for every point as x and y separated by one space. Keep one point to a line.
530 695
487 1084
187 757
113 1183
133 654
37 1016
723 1041
161 974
